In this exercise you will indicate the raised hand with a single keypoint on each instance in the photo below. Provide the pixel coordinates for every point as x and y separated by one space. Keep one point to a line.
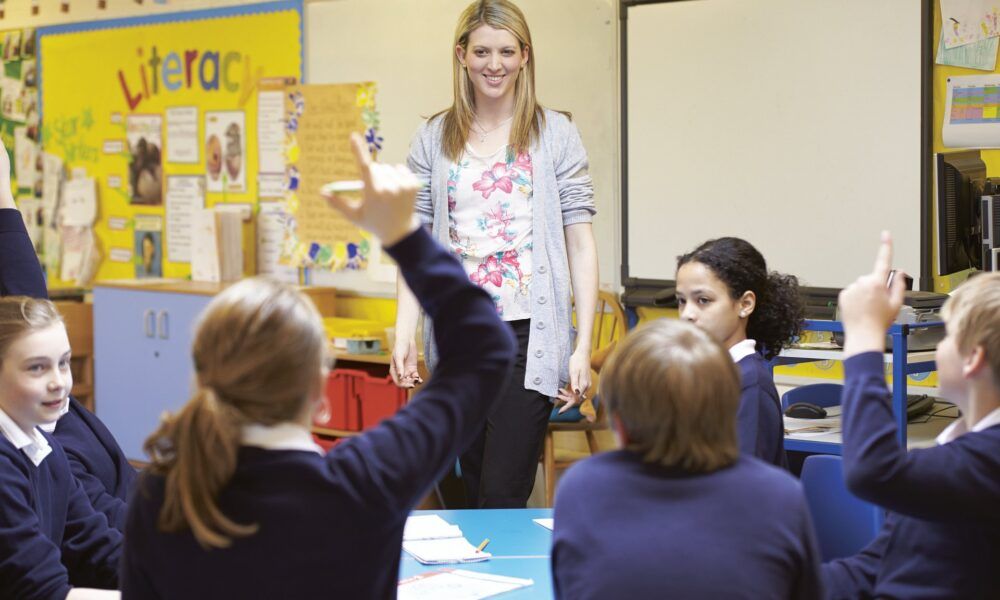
867 307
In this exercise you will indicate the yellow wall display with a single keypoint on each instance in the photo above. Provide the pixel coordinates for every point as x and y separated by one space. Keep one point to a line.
134 103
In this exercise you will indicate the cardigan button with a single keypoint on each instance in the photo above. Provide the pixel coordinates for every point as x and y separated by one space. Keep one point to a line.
541 268
541 325
538 380
539 354
542 300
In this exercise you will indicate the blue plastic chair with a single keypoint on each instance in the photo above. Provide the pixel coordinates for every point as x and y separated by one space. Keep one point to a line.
820 394
844 523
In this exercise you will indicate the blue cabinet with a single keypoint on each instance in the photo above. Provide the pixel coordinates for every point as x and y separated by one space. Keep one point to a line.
142 359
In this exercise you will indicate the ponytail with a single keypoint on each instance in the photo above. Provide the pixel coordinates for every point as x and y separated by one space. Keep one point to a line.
196 451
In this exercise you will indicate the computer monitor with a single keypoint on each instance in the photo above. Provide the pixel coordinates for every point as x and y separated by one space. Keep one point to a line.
961 177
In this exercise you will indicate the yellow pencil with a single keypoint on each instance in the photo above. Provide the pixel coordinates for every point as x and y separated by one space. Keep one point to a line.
482 545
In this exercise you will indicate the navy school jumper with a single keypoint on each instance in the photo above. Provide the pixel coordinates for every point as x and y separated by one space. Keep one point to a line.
50 535
760 427
333 525
94 455
942 536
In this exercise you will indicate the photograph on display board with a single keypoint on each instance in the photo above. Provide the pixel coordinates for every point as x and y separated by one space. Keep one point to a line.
148 254
12 45
145 169
28 43
225 151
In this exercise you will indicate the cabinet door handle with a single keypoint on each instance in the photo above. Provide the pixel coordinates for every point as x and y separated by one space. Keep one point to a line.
163 324
147 322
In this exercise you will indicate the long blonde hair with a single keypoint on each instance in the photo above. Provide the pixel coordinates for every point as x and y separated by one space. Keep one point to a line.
21 315
258 351
676 392
528 114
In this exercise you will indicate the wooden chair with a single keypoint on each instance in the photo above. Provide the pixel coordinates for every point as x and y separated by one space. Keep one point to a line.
79 318
609 327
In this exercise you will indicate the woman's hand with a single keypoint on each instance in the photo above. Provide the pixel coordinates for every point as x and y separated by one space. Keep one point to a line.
579 380
403 365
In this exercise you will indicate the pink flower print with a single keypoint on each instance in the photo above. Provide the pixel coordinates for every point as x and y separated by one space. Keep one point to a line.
489 271
496 221
523 163
496 178
510 259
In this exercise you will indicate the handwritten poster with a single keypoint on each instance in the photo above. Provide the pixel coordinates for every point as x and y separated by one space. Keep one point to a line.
185 195
319 121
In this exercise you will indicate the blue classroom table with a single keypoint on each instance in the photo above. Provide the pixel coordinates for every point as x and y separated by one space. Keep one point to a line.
520 547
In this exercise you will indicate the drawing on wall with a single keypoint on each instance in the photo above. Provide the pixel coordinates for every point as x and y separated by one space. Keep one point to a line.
225 151
145 169
148 247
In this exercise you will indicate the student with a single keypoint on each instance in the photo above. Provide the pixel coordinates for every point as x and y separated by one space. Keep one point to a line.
51 539
507 191
724 287
94 456
941 538
679 512
239 502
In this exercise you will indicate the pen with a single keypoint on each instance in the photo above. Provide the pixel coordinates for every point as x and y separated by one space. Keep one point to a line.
482 545
336 187
892 275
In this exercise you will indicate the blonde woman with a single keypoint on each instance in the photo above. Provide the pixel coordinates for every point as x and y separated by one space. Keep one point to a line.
239 502
506 189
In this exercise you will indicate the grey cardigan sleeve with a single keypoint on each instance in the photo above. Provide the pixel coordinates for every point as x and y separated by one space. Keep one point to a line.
421 162
576 190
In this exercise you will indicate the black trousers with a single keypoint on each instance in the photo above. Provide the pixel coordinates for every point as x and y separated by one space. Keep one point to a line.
499 467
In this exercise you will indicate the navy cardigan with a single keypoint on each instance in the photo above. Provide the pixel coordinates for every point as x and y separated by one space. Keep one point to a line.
942 536
333 525
50 536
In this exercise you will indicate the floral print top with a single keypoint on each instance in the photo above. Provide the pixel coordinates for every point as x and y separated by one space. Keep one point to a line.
489 223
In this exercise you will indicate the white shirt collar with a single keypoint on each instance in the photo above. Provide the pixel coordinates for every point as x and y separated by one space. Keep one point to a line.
741 350
283 436
958 428
50 427
34 445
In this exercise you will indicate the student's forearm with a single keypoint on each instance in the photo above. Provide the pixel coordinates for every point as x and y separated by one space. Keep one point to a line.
407 310
581 251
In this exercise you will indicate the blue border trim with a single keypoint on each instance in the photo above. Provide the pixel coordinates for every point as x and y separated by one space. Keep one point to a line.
170 17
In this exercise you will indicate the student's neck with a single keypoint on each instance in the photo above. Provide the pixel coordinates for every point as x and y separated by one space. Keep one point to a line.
984 398
736 338
491 111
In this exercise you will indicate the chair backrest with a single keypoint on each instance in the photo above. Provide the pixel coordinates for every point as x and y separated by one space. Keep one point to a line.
820 394
844 523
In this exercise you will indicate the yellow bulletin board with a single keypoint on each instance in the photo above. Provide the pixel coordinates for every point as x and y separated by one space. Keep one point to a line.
136 102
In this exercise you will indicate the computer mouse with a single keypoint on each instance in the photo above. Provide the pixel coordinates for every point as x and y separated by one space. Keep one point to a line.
805 410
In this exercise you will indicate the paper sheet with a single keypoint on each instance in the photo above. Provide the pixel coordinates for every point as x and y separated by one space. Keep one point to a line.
25 159
429 527
972 112
444 551
449 584
980 55
271 131
967 21
185 194
79 203
546 523
271 223
182 134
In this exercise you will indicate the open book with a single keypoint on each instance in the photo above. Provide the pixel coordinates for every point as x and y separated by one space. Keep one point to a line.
433 541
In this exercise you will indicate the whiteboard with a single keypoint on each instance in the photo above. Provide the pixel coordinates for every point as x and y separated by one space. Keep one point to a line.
405 46
795 124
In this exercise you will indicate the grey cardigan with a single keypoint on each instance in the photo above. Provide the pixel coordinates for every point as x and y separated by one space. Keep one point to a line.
563 194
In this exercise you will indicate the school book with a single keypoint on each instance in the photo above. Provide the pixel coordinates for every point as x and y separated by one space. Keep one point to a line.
433 541
454 584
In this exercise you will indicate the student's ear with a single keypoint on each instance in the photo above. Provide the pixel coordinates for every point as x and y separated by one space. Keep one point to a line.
619 428
747 303
974 362
460 53
526 53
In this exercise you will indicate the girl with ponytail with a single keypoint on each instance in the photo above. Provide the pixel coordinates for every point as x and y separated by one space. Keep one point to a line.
239 502
724 287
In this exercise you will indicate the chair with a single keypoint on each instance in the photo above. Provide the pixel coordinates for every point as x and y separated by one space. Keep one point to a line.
820 394
844 523
609 327
79 319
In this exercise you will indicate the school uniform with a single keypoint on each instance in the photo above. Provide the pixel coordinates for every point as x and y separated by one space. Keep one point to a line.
50 537
942 536
333 524
97 460
94 456
759 424
628 529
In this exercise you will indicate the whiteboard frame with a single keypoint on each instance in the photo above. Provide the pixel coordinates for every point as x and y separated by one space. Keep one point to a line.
642 287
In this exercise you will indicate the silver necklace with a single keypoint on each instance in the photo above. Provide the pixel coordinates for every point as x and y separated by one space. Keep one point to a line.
483 132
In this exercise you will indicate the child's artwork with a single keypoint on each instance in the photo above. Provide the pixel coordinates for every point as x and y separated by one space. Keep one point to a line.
967 21
318 122
145 168
225 151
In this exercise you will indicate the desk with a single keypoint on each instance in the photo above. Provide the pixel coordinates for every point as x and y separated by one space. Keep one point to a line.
520 547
